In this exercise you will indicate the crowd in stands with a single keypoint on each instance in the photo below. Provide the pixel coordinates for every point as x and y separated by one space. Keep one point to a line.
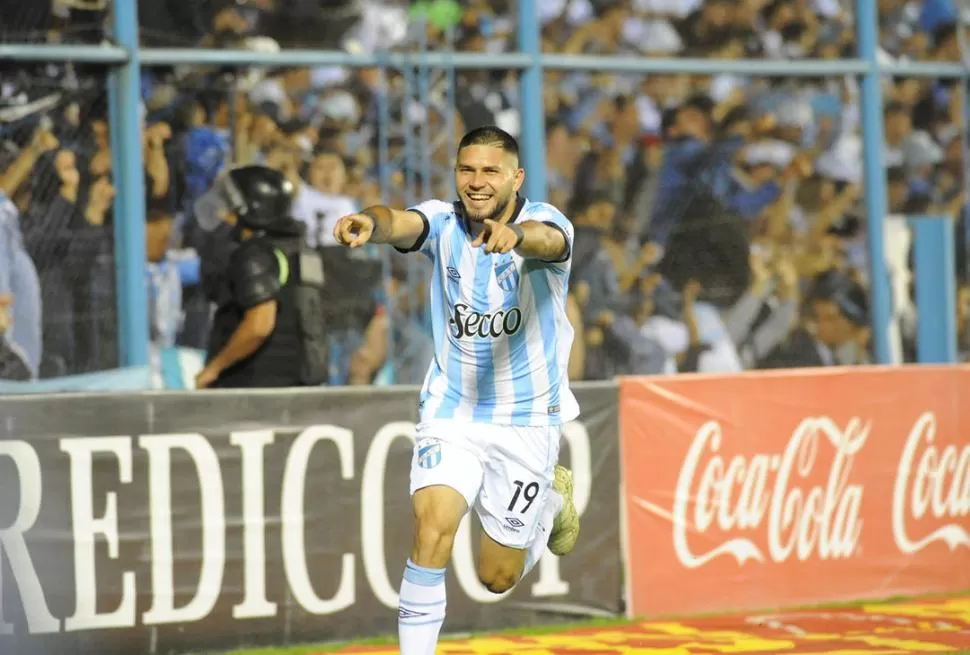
720 219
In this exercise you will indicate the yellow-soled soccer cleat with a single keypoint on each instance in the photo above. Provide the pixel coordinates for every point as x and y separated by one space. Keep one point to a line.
565 529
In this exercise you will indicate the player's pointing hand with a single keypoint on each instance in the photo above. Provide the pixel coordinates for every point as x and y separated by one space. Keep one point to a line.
497 237
354 230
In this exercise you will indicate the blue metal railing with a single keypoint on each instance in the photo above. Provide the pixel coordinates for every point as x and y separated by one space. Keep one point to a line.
124 99
127 58
113 55
867 35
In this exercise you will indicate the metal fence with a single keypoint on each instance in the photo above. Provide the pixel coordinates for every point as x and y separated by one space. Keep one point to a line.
414 162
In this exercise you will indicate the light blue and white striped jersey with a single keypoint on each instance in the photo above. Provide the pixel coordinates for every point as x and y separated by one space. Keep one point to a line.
501 336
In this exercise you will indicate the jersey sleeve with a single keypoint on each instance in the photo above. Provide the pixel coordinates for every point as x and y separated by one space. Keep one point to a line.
552 217
254 272
433 213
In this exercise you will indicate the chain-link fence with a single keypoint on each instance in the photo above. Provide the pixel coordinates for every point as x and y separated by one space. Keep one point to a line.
720 218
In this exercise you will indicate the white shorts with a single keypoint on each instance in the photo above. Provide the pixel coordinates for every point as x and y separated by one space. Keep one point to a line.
505 472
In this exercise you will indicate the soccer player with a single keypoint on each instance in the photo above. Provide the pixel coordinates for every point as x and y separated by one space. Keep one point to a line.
496 393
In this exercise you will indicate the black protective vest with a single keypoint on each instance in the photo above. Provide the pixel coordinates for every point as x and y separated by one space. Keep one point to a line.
281 269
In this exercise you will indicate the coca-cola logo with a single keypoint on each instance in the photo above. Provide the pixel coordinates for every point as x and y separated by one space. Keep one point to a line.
931 481
465 323
769 493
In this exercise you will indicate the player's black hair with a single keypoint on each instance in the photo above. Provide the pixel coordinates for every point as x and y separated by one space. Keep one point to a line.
490 135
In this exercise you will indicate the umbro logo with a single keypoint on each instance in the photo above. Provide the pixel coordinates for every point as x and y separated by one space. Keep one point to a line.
453 273
404 613
514 522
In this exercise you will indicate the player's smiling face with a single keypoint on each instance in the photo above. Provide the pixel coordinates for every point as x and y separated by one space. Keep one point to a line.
487 179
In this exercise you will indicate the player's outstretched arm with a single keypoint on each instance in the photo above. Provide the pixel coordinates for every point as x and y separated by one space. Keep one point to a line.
534 239
545 241
380 224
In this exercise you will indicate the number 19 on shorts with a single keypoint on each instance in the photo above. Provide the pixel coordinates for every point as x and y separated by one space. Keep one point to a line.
524 492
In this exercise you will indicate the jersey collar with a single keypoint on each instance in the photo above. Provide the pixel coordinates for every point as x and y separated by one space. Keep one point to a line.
519 204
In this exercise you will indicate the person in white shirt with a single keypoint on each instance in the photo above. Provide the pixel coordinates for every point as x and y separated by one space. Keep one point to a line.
316 209
327 175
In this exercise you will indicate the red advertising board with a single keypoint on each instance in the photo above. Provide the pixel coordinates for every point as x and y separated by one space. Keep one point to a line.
791 488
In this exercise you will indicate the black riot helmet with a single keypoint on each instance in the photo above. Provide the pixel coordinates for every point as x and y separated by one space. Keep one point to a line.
259 196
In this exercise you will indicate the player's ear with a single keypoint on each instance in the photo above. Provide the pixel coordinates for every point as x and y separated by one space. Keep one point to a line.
519 178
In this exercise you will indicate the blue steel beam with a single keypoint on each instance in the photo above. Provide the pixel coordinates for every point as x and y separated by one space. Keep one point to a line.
936 289
460 60
867 34
533 118
501 61
297 58
384 169
923 69
124 99
756 67
90 54
411 156
112 55
417 309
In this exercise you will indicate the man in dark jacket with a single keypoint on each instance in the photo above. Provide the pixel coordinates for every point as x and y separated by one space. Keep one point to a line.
268 326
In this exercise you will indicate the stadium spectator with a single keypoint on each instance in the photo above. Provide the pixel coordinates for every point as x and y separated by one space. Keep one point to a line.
169 271
18 274
764 316
624 341
834 330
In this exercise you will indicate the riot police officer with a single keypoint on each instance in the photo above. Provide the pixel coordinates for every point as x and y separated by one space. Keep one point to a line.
268 326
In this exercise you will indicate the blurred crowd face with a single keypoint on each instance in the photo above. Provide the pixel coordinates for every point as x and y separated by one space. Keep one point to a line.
285 160
158 234
717 14
558 144
898 126
898 195
100 129
692 122
626 122
328 174
831 327
908 91
761 174
886 7
666 90
487 179
953 156
601 215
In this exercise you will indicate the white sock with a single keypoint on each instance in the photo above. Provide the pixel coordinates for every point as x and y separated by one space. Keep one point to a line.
550 510
421 609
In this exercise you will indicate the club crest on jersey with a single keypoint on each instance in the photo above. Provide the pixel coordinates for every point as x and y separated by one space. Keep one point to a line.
506 276
429 454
